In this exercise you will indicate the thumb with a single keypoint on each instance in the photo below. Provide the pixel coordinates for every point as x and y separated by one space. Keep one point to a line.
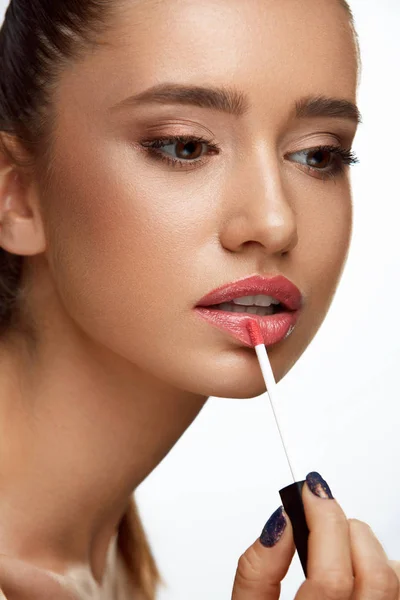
263 566
395 564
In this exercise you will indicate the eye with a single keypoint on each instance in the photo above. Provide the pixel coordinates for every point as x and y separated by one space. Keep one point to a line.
324 161
181 151
319 159
185 150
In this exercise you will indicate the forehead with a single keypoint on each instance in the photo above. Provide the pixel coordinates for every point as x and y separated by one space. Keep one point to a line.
282 49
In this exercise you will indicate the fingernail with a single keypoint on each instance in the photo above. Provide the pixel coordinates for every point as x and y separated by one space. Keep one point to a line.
318 486
274 528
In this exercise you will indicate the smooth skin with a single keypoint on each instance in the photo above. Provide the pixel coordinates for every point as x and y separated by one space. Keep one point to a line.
119 247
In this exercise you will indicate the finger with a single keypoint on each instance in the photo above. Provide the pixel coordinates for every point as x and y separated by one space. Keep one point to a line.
395 564
329 565
263 566
375 578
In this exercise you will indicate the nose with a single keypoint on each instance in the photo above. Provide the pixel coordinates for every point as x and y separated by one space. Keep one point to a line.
258 209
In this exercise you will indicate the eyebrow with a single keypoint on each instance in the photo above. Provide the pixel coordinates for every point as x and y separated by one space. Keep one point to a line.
225 99
232 101
321 106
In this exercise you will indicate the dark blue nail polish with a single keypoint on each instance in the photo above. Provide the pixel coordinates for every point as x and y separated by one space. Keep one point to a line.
318 486
274 528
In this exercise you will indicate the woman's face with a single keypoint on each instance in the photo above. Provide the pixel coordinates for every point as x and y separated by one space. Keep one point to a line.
135 242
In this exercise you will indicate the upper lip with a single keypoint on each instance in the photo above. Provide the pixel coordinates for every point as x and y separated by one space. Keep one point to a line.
278 287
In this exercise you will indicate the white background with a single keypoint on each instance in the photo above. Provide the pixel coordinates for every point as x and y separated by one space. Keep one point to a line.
209 499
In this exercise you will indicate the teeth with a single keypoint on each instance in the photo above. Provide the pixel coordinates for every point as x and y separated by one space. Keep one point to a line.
260 300
262 311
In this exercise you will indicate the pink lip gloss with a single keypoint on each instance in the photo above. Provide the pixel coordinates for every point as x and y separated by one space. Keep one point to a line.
291 495
274 327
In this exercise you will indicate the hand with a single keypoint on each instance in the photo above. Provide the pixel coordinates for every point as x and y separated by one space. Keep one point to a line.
345 559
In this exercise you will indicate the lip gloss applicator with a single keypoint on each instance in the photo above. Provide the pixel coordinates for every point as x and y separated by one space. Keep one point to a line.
291 495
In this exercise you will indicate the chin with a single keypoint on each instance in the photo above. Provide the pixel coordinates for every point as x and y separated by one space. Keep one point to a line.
226 372
239 379
244 389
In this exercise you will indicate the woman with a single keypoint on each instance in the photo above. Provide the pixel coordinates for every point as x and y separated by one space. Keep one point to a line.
152 153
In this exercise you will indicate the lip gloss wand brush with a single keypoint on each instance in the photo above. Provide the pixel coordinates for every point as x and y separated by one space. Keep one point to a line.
291 495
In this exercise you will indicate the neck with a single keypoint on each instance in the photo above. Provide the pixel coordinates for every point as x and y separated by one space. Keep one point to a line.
79 430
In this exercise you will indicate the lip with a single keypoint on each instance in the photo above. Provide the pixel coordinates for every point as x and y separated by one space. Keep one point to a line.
274 328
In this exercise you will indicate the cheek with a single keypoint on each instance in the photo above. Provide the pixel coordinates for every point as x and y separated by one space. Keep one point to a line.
324 229
325 233
121 248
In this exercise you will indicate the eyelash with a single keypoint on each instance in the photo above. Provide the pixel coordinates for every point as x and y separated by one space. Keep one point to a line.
341 156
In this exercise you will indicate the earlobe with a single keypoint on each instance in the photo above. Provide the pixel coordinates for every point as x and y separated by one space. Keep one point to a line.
21 225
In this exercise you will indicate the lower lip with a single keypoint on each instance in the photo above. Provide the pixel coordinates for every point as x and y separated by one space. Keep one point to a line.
274 328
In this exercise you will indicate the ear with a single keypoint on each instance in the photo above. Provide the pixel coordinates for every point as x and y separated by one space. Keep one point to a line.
21 225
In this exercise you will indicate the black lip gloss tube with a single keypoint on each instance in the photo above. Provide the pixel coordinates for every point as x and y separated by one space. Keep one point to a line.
293 505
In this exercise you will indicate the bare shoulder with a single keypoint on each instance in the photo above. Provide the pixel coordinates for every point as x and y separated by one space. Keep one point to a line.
21 581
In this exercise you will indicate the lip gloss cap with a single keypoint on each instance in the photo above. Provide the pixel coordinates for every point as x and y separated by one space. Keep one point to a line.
291 497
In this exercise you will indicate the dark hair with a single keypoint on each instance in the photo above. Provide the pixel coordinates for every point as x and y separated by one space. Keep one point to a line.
38 38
